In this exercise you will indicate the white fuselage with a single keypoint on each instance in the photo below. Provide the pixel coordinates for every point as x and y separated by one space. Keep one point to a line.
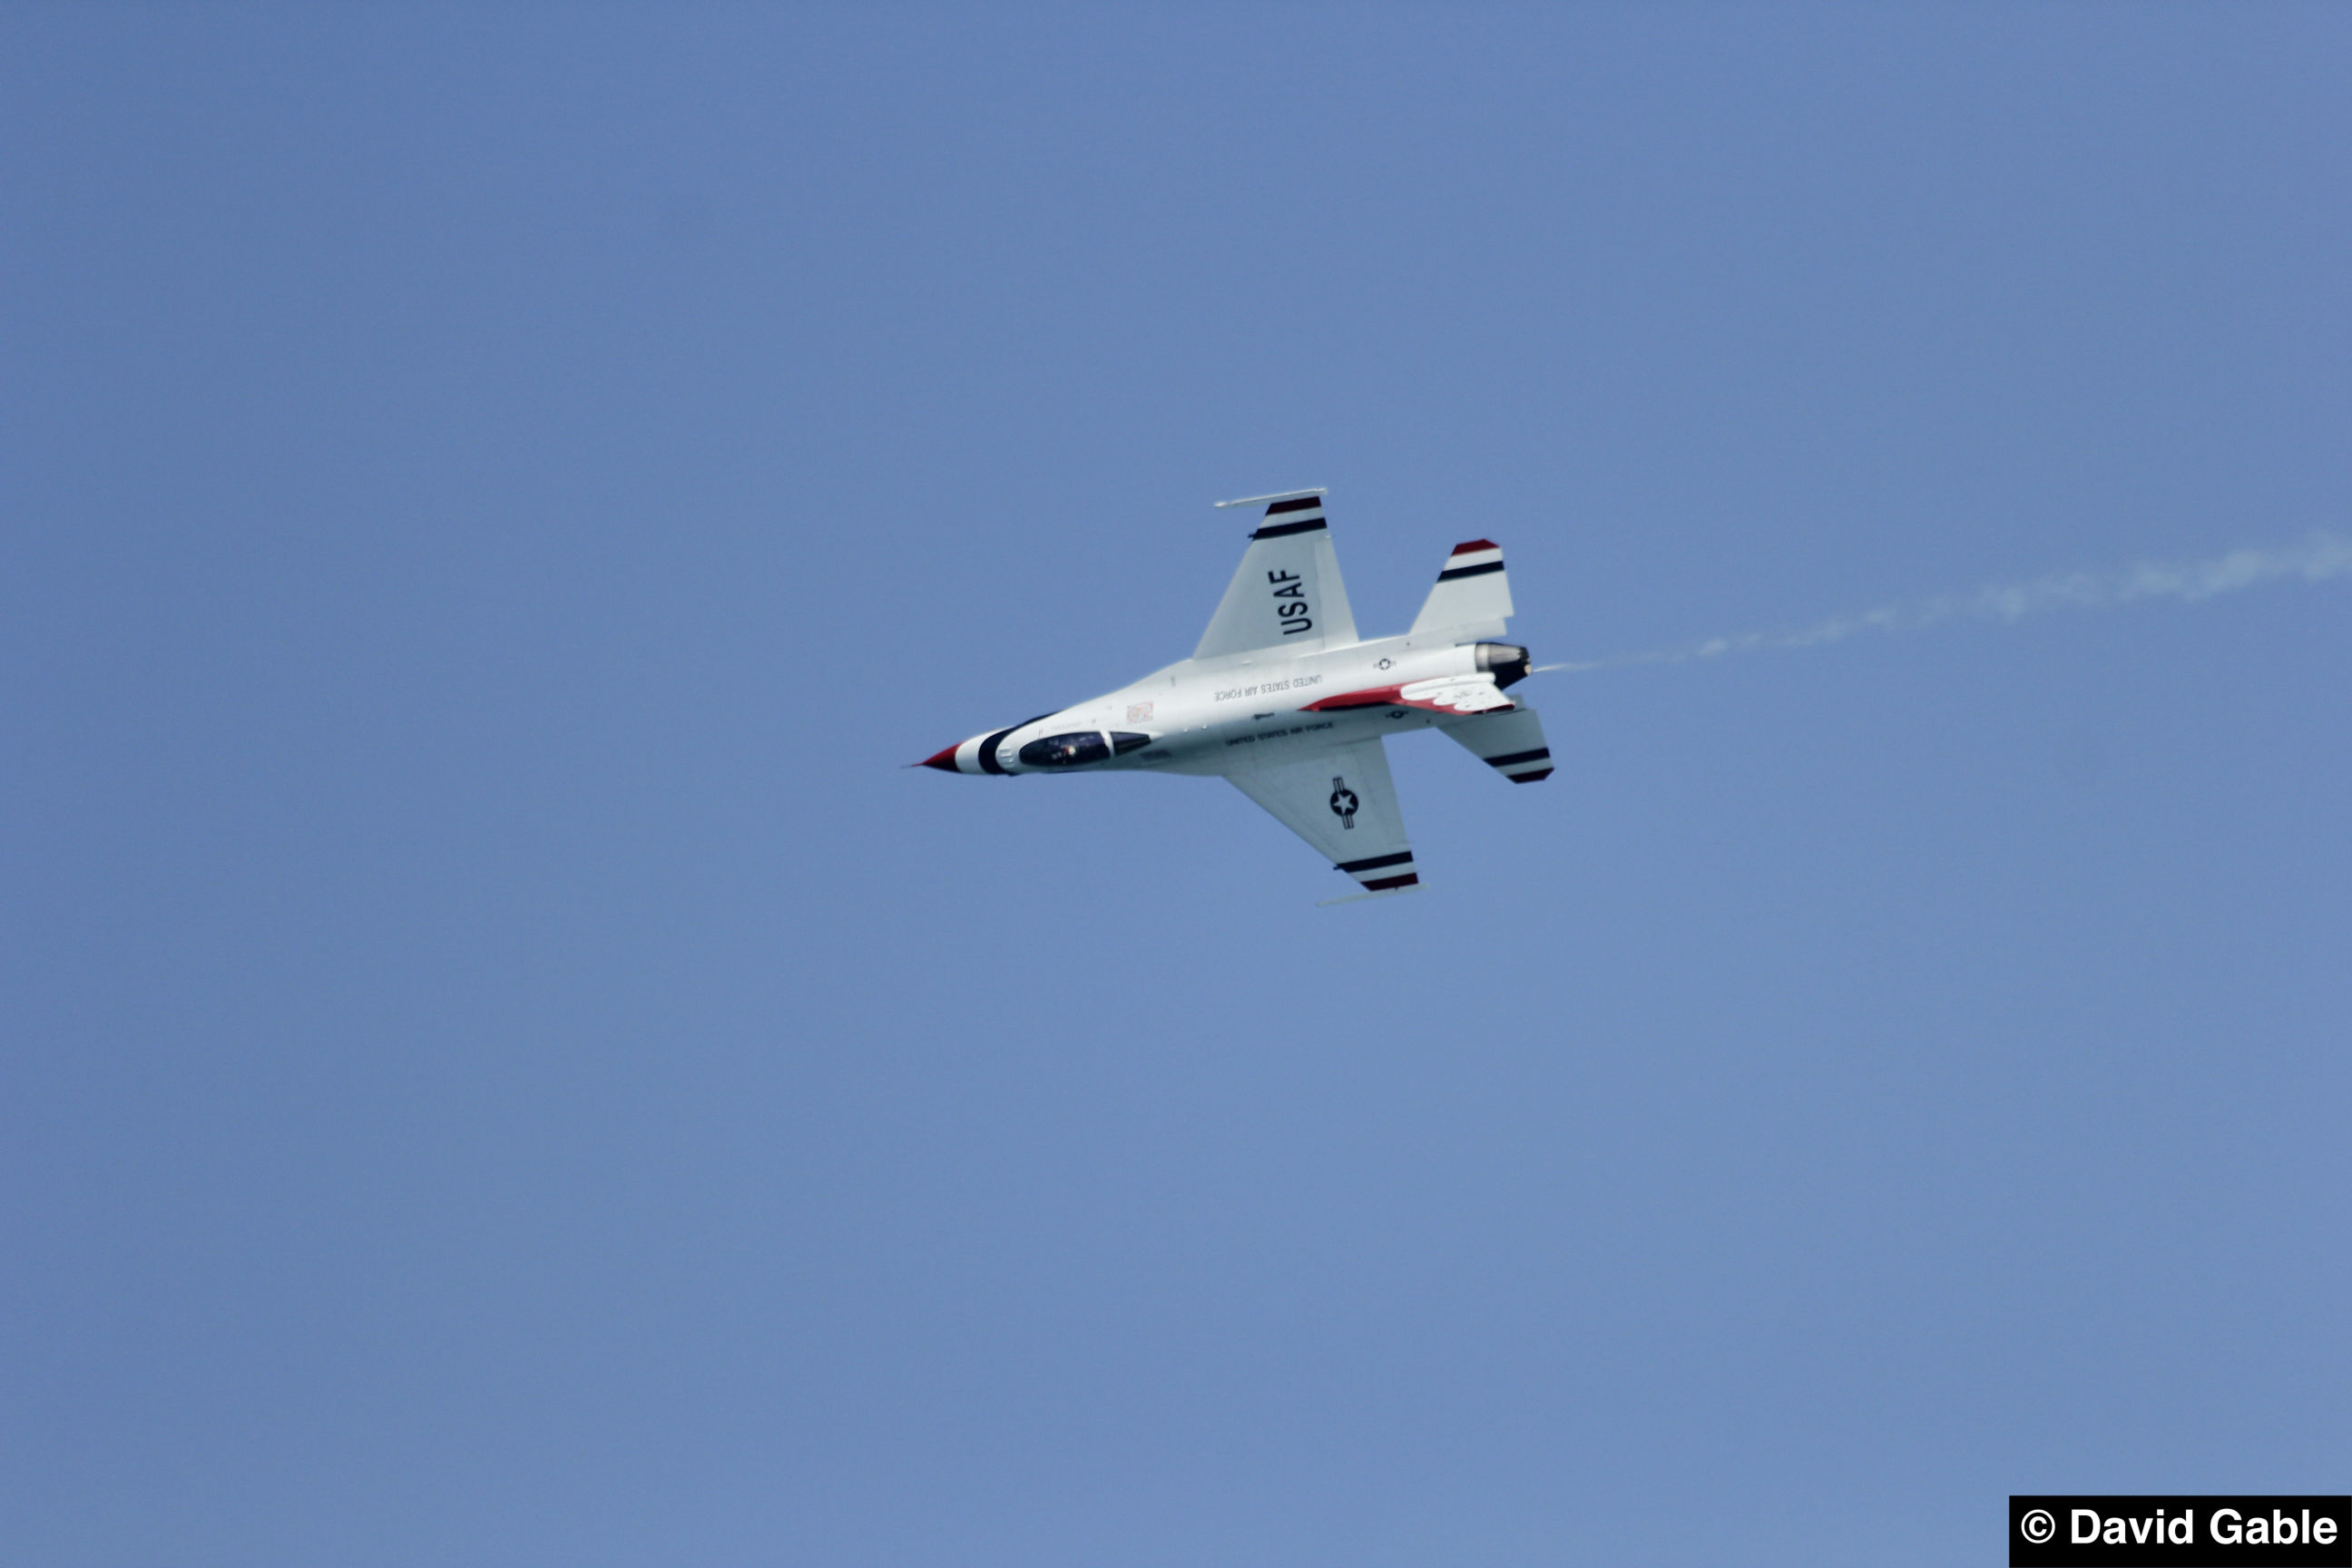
1211 715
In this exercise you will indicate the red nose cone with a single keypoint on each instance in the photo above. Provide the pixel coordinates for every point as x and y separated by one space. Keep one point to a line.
945 761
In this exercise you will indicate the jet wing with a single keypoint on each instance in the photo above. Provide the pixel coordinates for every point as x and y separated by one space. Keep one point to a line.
1286 593
1341 801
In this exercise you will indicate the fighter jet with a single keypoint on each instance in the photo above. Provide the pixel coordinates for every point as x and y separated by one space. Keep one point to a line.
1285 700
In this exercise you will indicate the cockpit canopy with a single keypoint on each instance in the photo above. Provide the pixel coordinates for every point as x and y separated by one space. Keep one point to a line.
1080 747
1072 751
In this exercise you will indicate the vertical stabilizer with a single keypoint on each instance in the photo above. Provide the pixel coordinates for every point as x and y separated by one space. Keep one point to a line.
1473 595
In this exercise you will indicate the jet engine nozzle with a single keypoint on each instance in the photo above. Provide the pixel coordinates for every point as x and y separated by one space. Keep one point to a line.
1505 661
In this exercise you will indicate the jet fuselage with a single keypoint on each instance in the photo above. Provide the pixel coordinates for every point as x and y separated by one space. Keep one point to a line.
1192 716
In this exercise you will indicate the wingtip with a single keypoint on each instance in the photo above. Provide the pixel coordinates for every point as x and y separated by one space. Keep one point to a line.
1412 886
1278 495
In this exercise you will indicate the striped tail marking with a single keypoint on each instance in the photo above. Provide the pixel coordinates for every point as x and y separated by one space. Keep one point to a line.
1523 767
1380 872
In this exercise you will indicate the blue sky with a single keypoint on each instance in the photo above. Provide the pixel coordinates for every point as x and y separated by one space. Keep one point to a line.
503 1065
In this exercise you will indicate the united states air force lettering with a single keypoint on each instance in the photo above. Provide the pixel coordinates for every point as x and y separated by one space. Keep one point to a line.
1265 688
1290 601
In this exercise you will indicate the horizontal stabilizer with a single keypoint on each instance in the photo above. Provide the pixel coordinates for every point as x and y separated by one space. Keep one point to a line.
1473 595
1511 743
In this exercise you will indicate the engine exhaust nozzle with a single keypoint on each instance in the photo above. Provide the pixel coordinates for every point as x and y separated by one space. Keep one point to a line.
1506 662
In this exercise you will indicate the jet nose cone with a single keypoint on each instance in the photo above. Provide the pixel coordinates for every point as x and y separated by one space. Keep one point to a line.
943 760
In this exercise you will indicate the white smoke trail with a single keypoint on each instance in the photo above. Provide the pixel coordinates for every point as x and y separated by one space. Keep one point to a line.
2315 559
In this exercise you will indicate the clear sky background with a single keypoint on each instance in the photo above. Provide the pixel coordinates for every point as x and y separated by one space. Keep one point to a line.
502 1064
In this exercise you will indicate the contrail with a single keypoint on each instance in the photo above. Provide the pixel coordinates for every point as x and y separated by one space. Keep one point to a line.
2315 559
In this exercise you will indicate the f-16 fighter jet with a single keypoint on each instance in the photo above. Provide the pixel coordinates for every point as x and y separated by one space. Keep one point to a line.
1284 699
